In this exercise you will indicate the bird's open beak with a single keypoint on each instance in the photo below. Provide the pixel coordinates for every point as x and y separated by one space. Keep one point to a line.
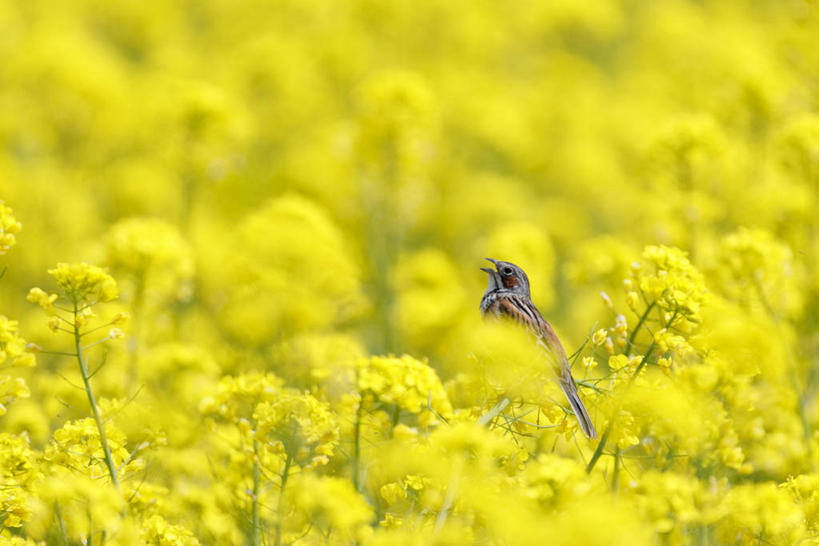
488 270
494 278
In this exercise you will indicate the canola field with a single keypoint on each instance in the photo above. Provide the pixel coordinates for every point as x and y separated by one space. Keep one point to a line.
240 247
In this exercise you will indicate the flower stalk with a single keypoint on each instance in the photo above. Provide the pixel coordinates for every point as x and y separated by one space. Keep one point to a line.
109 459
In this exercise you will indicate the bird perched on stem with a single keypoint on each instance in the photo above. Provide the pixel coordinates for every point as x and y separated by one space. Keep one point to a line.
508 296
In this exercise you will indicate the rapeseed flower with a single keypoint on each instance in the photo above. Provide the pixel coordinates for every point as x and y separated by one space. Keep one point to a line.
293 201
9 226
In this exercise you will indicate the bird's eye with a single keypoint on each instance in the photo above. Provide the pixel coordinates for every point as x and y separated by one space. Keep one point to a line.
507 270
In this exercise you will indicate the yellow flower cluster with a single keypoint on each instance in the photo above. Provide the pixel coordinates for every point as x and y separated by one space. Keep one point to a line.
297 426
155 530
154 255
292 199
670 282
18 472
406 383
332 506
8 227
82 284
756 269
13 353
76 446
236 397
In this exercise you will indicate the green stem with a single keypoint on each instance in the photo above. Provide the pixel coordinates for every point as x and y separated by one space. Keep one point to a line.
109 459
396 416
59 513
357 444
90 539
640 322
256 533
615 481
285 474
602 444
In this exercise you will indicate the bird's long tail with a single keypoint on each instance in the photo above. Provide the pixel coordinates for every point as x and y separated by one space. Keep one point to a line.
548 341
583 418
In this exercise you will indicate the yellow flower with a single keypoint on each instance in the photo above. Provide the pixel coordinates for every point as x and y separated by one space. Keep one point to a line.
84 283
328 506
11 388
237 396
670 500
8 227
155 530
39 296
13 347
18 472
298 426
120 318
749 511
14 352
84 505
54 324
552 480
632 300
153 253
755 269
287 268
76 446
427 301
670 280
406 382
393 492
589 362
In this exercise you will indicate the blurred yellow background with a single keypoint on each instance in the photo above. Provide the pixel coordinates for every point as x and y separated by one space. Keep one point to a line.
293 186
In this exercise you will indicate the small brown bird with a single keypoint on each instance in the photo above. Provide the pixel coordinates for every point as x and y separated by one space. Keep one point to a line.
508 296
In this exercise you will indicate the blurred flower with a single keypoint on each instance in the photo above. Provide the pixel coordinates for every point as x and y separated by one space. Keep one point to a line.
155 530
82 284
155 257
669 279
429 295
328 506
76 447
298 426
406 382
290 269
18 472
8 227
756 269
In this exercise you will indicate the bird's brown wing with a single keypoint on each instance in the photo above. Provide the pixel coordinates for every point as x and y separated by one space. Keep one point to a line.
524 312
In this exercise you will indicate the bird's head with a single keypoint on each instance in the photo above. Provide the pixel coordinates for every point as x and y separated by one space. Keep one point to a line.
507 275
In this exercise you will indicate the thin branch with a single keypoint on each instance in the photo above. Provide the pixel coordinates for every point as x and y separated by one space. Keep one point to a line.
575 355
58 353
493 412
70 382
602 444
109 459
98 342
125 404
435 413
98 368
640 322
98 328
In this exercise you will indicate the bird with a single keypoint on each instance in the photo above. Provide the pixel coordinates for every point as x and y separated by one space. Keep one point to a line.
508 296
